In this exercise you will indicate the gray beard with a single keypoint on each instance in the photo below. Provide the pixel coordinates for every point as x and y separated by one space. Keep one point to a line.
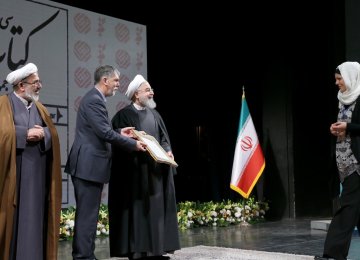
149 103
32 96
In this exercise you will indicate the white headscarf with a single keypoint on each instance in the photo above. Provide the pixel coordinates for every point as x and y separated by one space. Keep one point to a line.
17 75
350 72
134 85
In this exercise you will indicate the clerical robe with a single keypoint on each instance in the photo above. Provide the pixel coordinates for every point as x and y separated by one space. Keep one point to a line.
142 204
30 183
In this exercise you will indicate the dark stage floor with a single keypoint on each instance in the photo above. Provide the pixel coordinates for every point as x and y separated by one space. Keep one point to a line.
286 236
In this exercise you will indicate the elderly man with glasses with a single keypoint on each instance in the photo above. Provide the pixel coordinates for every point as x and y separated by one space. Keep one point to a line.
30 173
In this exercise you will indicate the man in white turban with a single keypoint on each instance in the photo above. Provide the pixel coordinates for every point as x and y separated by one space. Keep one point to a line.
145 101
346 154
17 78
144 222
134 85
30 172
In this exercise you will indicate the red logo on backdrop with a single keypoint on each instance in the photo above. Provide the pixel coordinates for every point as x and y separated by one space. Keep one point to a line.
101 28
82 51
124 83
101 55
139 63
246 143
82 23
82 77
138 37
122 33
122 59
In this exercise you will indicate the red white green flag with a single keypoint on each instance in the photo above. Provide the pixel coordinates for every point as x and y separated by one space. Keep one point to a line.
249 161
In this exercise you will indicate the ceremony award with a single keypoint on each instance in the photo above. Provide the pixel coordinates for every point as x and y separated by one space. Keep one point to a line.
155 149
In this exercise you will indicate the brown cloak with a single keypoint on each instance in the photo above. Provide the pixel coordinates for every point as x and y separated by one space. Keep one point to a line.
8 181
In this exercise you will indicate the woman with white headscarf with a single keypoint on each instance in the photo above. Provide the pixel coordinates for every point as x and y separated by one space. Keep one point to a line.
347 133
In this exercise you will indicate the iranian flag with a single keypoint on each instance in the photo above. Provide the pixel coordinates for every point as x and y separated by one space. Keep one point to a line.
249 161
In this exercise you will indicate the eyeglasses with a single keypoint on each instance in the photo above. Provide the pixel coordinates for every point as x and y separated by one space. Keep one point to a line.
147 90
36 82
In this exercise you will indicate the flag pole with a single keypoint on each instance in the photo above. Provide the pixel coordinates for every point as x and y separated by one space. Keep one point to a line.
244 222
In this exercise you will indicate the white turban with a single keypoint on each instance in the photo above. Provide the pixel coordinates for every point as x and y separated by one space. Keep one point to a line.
17 75
134 85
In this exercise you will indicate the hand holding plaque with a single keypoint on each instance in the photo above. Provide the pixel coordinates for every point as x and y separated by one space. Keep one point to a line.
154 148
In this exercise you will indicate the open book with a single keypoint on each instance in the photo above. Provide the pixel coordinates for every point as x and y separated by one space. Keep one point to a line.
155 149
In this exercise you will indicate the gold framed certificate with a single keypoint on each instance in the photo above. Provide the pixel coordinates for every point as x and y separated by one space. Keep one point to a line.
155 149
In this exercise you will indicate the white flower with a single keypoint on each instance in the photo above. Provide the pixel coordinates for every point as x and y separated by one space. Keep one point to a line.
189 214
99 225
98 232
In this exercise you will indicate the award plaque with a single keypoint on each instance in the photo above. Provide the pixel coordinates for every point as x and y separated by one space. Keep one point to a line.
154 148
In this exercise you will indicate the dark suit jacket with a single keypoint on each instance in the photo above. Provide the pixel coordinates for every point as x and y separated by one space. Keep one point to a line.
90 155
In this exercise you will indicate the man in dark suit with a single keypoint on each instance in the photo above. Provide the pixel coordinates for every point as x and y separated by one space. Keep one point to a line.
90 157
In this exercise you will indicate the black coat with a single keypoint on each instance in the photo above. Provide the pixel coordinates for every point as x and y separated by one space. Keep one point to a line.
142 204
353 129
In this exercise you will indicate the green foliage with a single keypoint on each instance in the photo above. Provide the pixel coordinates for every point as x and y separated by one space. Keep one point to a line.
222 214
67 221
190 214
